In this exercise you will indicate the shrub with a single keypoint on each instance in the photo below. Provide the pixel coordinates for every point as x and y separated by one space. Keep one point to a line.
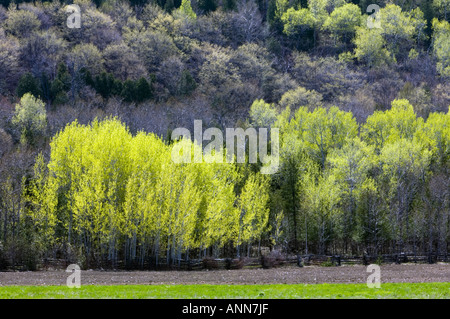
379 260
328 263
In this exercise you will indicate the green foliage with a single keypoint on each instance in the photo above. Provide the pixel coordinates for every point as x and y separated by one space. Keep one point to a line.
342 22
297 21
441 46
131 91
443 8
229 5
207 5
187 83
301 97
262 114
370 47
28 84
30 117
136 91
399 28
384 181
327 263
106 85
143 90
186 9
388 126
107 189
61 85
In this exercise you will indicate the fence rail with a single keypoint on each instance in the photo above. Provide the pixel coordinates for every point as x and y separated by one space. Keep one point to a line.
270 261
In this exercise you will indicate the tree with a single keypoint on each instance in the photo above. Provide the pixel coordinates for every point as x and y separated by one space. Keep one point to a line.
435 133
21 23
229 5
152 47
405 164
85 56
28 84
123 62
253 210
275 11
321 198
9 62
186 9
327 129
30 117
108 198
247 23
350 165
60 85
398 28
262 114
305 140
187 83
297 22
400 122
107 85
41 52
97 29
342 22
207 5
128 91
441 46
370 47
144 90
443 8
301 97
170 74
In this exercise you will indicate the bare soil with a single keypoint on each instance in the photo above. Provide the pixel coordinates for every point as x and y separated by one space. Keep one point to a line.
283 275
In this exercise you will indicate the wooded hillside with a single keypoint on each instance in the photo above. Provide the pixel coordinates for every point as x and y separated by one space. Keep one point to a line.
360 97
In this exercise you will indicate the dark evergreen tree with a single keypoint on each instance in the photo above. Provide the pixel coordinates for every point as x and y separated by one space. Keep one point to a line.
28 84
207 5
87 77
138 3
229 5
187 83
144 90
106 85
169 5
274 22
60 85
128 91
45 87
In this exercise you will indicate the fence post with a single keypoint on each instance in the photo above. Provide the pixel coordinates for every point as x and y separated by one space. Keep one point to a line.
299 261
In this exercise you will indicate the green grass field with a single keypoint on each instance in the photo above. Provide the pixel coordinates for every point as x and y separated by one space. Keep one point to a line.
387 290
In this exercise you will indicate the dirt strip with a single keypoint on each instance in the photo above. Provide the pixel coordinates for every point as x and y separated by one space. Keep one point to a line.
284 275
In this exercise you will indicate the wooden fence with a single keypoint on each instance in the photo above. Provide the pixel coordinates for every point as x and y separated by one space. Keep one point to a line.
270 261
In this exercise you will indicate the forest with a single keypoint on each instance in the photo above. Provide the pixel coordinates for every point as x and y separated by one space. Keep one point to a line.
360 95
